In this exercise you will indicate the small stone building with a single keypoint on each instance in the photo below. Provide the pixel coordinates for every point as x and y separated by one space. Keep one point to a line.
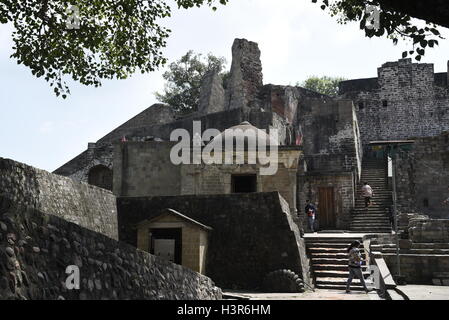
140 164
176 238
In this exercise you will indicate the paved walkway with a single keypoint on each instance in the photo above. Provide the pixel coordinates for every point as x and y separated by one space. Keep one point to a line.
319 294
336 234
424 292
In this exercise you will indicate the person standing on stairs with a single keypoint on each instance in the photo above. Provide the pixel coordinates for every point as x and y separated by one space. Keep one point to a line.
355 266
310 211
367 193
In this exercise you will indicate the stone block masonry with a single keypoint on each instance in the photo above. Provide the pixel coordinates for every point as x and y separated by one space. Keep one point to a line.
422 177
36 248
406 100
91 207
253 234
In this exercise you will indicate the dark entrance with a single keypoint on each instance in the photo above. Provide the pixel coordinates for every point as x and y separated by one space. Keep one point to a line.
326 208
167 244
101 176
244 183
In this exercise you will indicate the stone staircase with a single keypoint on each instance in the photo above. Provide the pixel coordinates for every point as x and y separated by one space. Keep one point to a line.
329 260
375 218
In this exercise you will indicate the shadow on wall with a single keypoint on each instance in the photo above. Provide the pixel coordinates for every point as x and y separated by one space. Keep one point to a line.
252 233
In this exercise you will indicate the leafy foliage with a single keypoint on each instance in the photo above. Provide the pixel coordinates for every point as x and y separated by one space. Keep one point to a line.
394 25
184 77
324 85
114 39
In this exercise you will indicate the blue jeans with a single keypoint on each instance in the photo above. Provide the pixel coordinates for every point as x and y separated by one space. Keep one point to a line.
311 223
355 273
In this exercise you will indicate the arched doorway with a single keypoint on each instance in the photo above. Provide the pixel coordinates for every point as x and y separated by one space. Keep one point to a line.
100 176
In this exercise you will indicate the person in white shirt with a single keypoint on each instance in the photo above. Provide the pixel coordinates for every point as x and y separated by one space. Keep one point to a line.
367 193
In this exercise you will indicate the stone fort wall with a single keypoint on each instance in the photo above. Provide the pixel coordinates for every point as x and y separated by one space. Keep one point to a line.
406 100
253 234
91 207
36 248
422 176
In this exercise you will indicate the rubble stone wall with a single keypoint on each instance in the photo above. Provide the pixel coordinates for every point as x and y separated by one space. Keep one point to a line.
36 248
91 207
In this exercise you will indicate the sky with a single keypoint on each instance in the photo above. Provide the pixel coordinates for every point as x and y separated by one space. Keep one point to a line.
297 40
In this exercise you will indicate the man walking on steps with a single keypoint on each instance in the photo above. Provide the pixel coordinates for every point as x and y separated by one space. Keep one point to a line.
367 193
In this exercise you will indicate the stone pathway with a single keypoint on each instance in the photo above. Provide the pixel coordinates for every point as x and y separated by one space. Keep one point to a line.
319 294
425 292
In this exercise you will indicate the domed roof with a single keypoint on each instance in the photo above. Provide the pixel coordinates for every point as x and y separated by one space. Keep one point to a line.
244 132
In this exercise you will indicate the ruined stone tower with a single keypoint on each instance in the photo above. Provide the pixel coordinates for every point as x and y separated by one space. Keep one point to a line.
246 77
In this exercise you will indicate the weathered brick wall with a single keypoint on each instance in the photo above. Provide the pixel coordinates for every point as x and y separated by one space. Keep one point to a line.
91 207
407 101
253 234
423 178
36 248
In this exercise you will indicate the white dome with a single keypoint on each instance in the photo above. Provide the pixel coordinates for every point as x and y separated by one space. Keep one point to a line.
244 133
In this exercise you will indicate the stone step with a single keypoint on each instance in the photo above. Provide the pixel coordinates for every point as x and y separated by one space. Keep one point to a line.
331 255
337 282
331 261
334 274
373 206
417 251
332 267
316 250
369 224
374 213
376 209
372 230
327 245
430 245
331 240
339 287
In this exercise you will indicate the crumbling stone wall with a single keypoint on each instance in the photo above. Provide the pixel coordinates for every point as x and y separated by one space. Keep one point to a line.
253 234
429 231
331 139
422 177
406 100
95 155
91 207
36 248
212 94
245 79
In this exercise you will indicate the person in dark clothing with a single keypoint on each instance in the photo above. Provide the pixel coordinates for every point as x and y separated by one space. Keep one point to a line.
310 211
